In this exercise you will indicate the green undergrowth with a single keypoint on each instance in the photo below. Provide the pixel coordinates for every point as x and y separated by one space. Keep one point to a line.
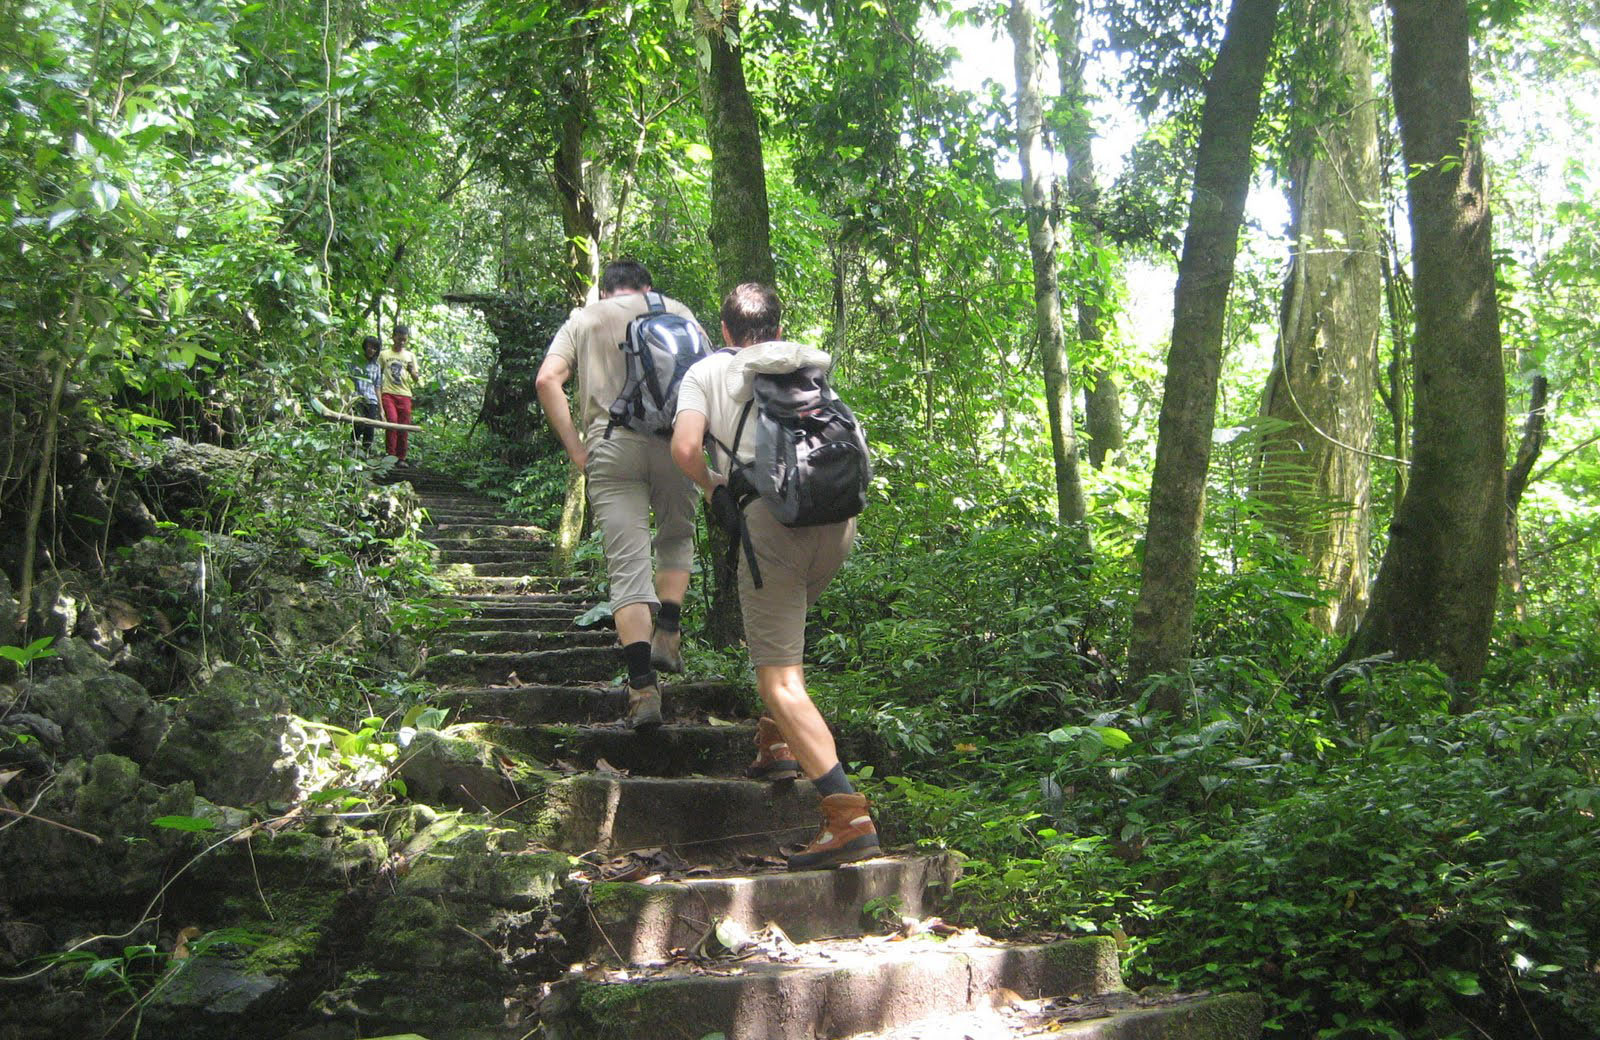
1403 859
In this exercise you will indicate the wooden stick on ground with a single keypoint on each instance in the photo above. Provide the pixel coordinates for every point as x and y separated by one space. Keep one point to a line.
328 413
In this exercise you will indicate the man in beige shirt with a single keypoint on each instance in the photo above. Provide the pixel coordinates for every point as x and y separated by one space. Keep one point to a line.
631 475
796 564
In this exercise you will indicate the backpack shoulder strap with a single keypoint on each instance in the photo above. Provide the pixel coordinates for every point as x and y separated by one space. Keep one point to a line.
655 301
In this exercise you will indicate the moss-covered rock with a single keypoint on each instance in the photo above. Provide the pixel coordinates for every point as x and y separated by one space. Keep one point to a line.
98 710
227 737
460 766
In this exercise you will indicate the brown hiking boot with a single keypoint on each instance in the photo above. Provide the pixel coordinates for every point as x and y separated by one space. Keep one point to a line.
666 651
644 707
774 760
847 834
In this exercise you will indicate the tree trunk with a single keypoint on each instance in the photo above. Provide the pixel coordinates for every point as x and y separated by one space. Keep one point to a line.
1102 405
1314 471
1037 197
1163 617
740 230
1434 597
578 218
1517 477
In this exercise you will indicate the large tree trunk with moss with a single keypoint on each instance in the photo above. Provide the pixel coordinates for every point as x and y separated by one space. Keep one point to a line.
1102 405
740 229
1163 617
1314 472
579 220
1037 197
740 232
1434 597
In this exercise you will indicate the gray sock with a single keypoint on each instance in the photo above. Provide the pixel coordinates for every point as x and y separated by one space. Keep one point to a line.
833 782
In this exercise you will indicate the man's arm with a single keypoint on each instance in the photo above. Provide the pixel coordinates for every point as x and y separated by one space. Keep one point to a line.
551 386
688 434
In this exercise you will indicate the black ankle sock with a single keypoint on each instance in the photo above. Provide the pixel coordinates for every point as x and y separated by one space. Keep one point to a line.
833 782
669 617
636 656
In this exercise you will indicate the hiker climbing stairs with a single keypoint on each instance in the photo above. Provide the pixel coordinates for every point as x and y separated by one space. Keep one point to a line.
690 927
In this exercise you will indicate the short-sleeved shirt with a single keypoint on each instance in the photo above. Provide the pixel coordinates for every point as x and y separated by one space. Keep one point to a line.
590 343
367 375
718 387
397 368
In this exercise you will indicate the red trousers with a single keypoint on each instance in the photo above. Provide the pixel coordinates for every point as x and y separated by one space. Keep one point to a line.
396 409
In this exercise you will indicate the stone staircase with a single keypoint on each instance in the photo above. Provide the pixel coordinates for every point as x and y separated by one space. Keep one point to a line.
689 927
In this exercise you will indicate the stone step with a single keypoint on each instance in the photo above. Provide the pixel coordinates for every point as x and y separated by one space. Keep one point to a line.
534 623
1225 1016
832 990
700 820
672 750
509 530
488 601
466 543
580 664
537 704
641 923
524 640
522 568
528 552
485 520
1119 1015
500 586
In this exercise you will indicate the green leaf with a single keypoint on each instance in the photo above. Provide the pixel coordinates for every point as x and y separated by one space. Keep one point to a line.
184 823
1463 982
61 216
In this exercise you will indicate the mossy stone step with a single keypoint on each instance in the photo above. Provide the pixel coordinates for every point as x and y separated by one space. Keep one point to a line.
501 585
834 990
513 530
701 820
467 543
486 601
640 924
1225 1016
500 639
539 624
580 664
528 552
486 520
671 750
524 567
536 704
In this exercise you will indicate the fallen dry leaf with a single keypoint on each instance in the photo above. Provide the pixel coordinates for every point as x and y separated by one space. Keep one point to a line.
180 950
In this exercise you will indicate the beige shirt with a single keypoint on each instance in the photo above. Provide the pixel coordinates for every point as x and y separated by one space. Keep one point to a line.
720 386
590 344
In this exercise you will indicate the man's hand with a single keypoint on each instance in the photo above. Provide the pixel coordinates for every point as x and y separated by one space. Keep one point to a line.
579 456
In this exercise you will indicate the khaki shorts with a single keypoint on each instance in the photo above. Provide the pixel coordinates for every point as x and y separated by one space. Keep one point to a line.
631 476
796 565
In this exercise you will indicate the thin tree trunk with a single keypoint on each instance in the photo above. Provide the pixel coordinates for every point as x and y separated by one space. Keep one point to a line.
1102 405
47 457
1528 451
1314 466
1163 618
1037 197
1434 597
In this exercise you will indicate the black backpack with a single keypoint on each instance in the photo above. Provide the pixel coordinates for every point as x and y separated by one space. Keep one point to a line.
659 348
811 460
